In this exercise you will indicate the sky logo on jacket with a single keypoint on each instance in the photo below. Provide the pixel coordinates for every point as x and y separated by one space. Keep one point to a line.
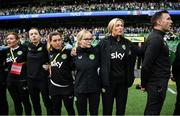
9 59
117 55
56 64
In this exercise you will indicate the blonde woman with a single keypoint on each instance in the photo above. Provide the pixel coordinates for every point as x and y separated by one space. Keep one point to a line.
87 81
117 67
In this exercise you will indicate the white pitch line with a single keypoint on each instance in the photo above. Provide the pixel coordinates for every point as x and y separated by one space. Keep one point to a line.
172 91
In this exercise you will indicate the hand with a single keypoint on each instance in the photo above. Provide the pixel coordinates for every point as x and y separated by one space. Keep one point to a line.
143 89
103 90
45 66
173 79
73 52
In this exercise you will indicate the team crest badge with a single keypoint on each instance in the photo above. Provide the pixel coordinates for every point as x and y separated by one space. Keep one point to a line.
64 56
39 49
124 47
92 56
19 53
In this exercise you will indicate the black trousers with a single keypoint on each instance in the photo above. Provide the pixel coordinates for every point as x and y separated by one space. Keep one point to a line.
118 92
3 99
156 93
84 98
68 103
177 105
20 96
35 88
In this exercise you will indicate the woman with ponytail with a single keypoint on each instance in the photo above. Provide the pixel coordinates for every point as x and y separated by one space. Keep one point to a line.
61 80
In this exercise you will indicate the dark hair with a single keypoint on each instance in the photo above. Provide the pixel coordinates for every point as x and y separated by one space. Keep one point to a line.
53 34
49 47
157 16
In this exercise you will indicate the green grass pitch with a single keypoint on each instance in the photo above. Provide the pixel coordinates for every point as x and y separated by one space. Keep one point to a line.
135 103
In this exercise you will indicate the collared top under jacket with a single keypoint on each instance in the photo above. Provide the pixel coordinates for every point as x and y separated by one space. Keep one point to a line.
61 72
87 79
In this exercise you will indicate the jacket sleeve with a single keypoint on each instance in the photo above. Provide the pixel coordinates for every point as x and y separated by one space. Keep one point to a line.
151 53
176 63
136 50
133 51
46 56
104 62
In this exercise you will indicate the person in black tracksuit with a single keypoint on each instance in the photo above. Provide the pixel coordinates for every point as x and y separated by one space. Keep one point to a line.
117 67
61 80
156 64
37 72
176 76
87 81
17 78
3 75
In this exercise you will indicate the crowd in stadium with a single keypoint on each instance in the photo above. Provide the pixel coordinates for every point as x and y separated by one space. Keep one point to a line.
72 31
55 7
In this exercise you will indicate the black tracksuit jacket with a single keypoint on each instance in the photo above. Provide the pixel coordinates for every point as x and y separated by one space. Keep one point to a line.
176 64
176 75
61 72
2 65
87 79
36 57
156 64
20 54
105 46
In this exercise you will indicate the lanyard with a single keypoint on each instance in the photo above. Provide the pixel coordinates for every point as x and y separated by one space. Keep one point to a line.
58 55
12 54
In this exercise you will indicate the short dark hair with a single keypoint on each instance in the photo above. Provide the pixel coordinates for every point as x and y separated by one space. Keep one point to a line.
157 16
